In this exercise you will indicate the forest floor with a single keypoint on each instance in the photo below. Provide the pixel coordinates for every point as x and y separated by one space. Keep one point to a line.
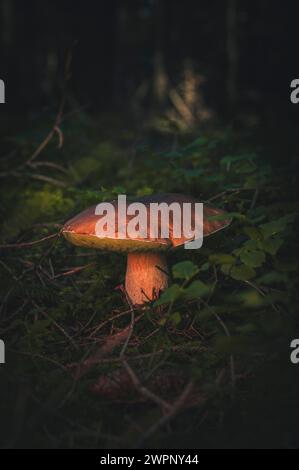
208 366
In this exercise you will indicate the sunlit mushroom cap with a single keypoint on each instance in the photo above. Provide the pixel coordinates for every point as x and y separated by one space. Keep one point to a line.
81 230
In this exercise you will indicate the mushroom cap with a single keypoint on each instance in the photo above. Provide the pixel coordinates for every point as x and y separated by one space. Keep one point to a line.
81 230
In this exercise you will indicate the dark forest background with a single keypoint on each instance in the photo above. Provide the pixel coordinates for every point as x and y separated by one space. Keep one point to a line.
132 53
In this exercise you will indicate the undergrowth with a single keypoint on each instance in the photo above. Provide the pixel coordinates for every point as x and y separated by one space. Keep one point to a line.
213 351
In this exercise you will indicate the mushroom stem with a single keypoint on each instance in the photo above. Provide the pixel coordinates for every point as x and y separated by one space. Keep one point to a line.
144 279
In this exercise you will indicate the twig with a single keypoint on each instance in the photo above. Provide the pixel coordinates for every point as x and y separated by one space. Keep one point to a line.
174 410
104 323
59 327
262 293
164 405
231 357
135 380
29 244
131 328
56 127
73 271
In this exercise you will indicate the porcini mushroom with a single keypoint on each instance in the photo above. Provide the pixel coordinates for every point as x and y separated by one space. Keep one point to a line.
147 271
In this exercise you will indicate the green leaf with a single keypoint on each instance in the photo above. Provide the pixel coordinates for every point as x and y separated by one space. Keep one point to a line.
197 143
205 267
272 277
242 272
175 318
229 160
271 245
276 226
184 270
226 268
253 259
253 233
170 295
222 259
251 245
145 191
196 289
227 216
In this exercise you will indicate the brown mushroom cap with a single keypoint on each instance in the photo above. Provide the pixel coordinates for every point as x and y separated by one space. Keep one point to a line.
81 229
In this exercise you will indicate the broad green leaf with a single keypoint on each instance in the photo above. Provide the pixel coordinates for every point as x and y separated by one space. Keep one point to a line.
145 191
272 277
184 270
253 233
196 289
271 245
226 268
170 295
251 245
253 259
229 160
242 273
222 259
205 267
276 226
197 143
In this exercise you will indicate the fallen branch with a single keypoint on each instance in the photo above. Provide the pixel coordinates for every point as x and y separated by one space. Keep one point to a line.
29 244
178 405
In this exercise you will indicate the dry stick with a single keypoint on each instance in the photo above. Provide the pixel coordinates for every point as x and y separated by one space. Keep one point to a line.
29 244
116 360
262 293
49 165
39 356
55 130
227 191
254 199
59 327
104 323
47 140
111 343
135 380
73 271
48 179
145 391
174 410
231 357
227 332
56 127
